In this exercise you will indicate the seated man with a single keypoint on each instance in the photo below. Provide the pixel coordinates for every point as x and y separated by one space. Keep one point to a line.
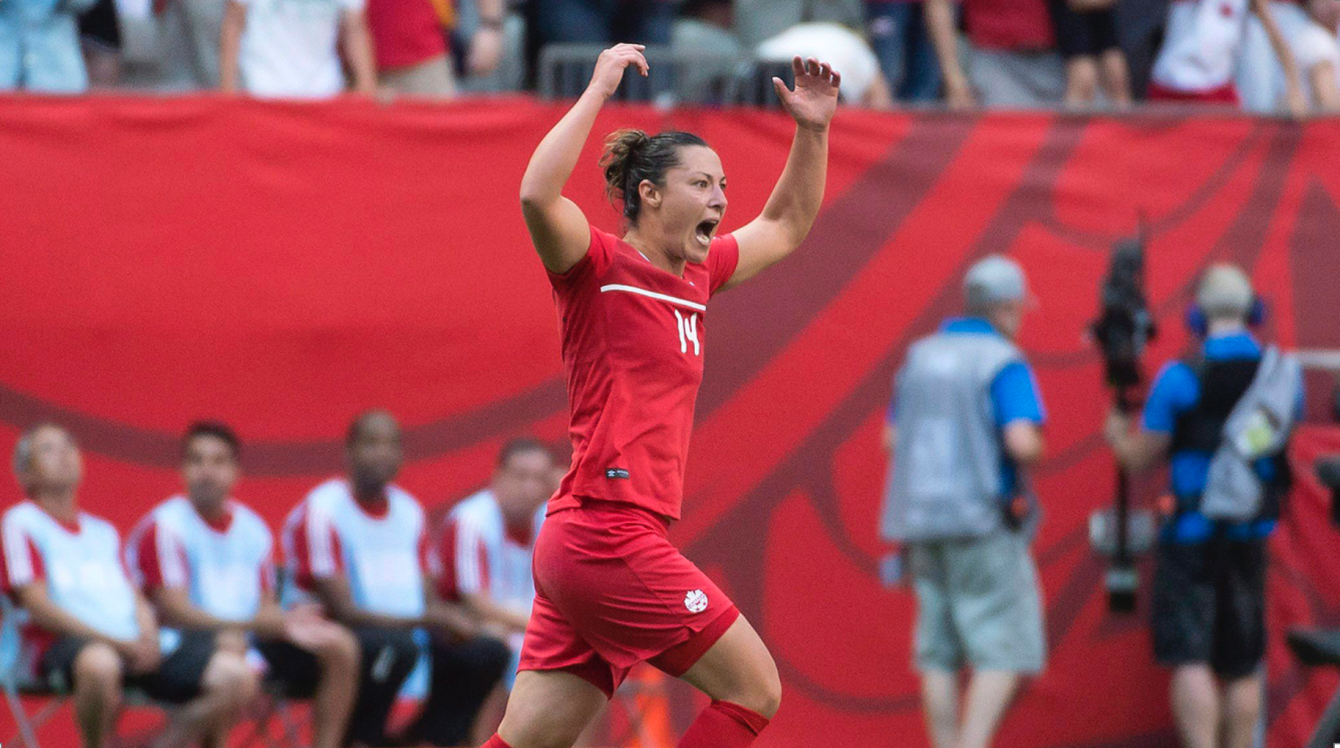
88 629
207 564
482 557
356 545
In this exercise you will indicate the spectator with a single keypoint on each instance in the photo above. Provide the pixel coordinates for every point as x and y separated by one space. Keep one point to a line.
963 428
292 48
1309 29
485 42
207 563
193 29
357 546
897 30
92 632
1012 60
410 40
1203 47
482 556
704 33
1208 618
1086 33
39 46
862 82
758 20
596 22
100 35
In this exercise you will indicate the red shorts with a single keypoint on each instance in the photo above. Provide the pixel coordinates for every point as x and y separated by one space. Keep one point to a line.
611 592
1226 94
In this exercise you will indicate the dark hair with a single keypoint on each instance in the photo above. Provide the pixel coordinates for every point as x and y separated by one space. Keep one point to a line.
216 429
521 445
632 156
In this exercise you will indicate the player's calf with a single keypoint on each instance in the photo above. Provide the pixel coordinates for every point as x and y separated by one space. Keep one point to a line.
97 692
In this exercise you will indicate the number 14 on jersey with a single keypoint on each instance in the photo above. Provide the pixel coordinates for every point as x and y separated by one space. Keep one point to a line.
688 332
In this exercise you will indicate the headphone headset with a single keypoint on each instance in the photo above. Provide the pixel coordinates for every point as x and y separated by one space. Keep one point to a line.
1199 325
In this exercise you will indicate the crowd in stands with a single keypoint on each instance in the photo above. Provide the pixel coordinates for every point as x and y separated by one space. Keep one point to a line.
1266 56
199 609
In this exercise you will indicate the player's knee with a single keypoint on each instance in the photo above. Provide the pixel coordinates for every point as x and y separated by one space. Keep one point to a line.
97 667
230 676
769 693
231 641
763 687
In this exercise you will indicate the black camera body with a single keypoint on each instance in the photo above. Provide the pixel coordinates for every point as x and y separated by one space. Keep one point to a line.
1124 325
1123 328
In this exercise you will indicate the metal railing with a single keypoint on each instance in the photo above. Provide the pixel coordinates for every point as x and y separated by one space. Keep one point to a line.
676 76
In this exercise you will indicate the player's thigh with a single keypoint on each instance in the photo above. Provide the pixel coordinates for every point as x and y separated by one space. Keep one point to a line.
739 669
549 709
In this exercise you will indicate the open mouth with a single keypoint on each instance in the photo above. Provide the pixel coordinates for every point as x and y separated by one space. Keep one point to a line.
706 229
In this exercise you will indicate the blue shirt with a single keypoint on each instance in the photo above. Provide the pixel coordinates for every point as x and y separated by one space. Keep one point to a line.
39 46
1176 391
1014 394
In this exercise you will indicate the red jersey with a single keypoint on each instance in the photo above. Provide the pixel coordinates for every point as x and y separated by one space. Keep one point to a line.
633 343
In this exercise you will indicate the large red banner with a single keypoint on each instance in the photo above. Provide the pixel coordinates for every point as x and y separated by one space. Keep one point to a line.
284 266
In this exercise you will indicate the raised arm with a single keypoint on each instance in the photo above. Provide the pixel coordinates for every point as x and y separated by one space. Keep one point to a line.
557 226
1295 100
790 211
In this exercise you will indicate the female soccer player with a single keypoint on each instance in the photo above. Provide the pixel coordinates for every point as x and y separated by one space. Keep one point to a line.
611 591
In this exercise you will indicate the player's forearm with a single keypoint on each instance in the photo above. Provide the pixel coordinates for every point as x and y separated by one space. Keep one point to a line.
146 620
51 618
795 201
554 159
178 612
356 42
491 611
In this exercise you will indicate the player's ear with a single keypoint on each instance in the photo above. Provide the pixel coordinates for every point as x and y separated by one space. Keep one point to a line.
651 196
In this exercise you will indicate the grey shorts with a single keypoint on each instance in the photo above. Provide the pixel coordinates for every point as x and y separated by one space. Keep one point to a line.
978 604
1016 80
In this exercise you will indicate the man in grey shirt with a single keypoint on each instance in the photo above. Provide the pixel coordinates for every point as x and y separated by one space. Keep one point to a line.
963 428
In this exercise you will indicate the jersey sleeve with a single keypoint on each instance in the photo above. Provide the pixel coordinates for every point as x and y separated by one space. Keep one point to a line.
157 558
592 264
316 547
20 562
1174 392
464 560
722 259
1015 395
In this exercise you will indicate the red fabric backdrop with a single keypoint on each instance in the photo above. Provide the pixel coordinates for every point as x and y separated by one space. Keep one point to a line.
284 266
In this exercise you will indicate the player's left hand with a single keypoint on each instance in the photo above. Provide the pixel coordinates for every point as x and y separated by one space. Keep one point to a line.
815 97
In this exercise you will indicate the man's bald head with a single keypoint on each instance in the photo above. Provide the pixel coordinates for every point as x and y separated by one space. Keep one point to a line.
373 452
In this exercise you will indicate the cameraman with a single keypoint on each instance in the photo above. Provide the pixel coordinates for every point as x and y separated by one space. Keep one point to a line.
1209 577
965 423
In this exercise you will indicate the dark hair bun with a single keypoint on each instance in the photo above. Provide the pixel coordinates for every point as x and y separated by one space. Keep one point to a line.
621 150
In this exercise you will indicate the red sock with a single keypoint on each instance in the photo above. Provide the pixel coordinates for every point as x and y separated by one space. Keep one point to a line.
495 742
724 725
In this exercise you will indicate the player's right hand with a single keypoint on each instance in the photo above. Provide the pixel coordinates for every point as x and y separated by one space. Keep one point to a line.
611 64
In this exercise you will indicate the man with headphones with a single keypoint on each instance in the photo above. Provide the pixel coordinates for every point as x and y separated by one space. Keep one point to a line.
1206 415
